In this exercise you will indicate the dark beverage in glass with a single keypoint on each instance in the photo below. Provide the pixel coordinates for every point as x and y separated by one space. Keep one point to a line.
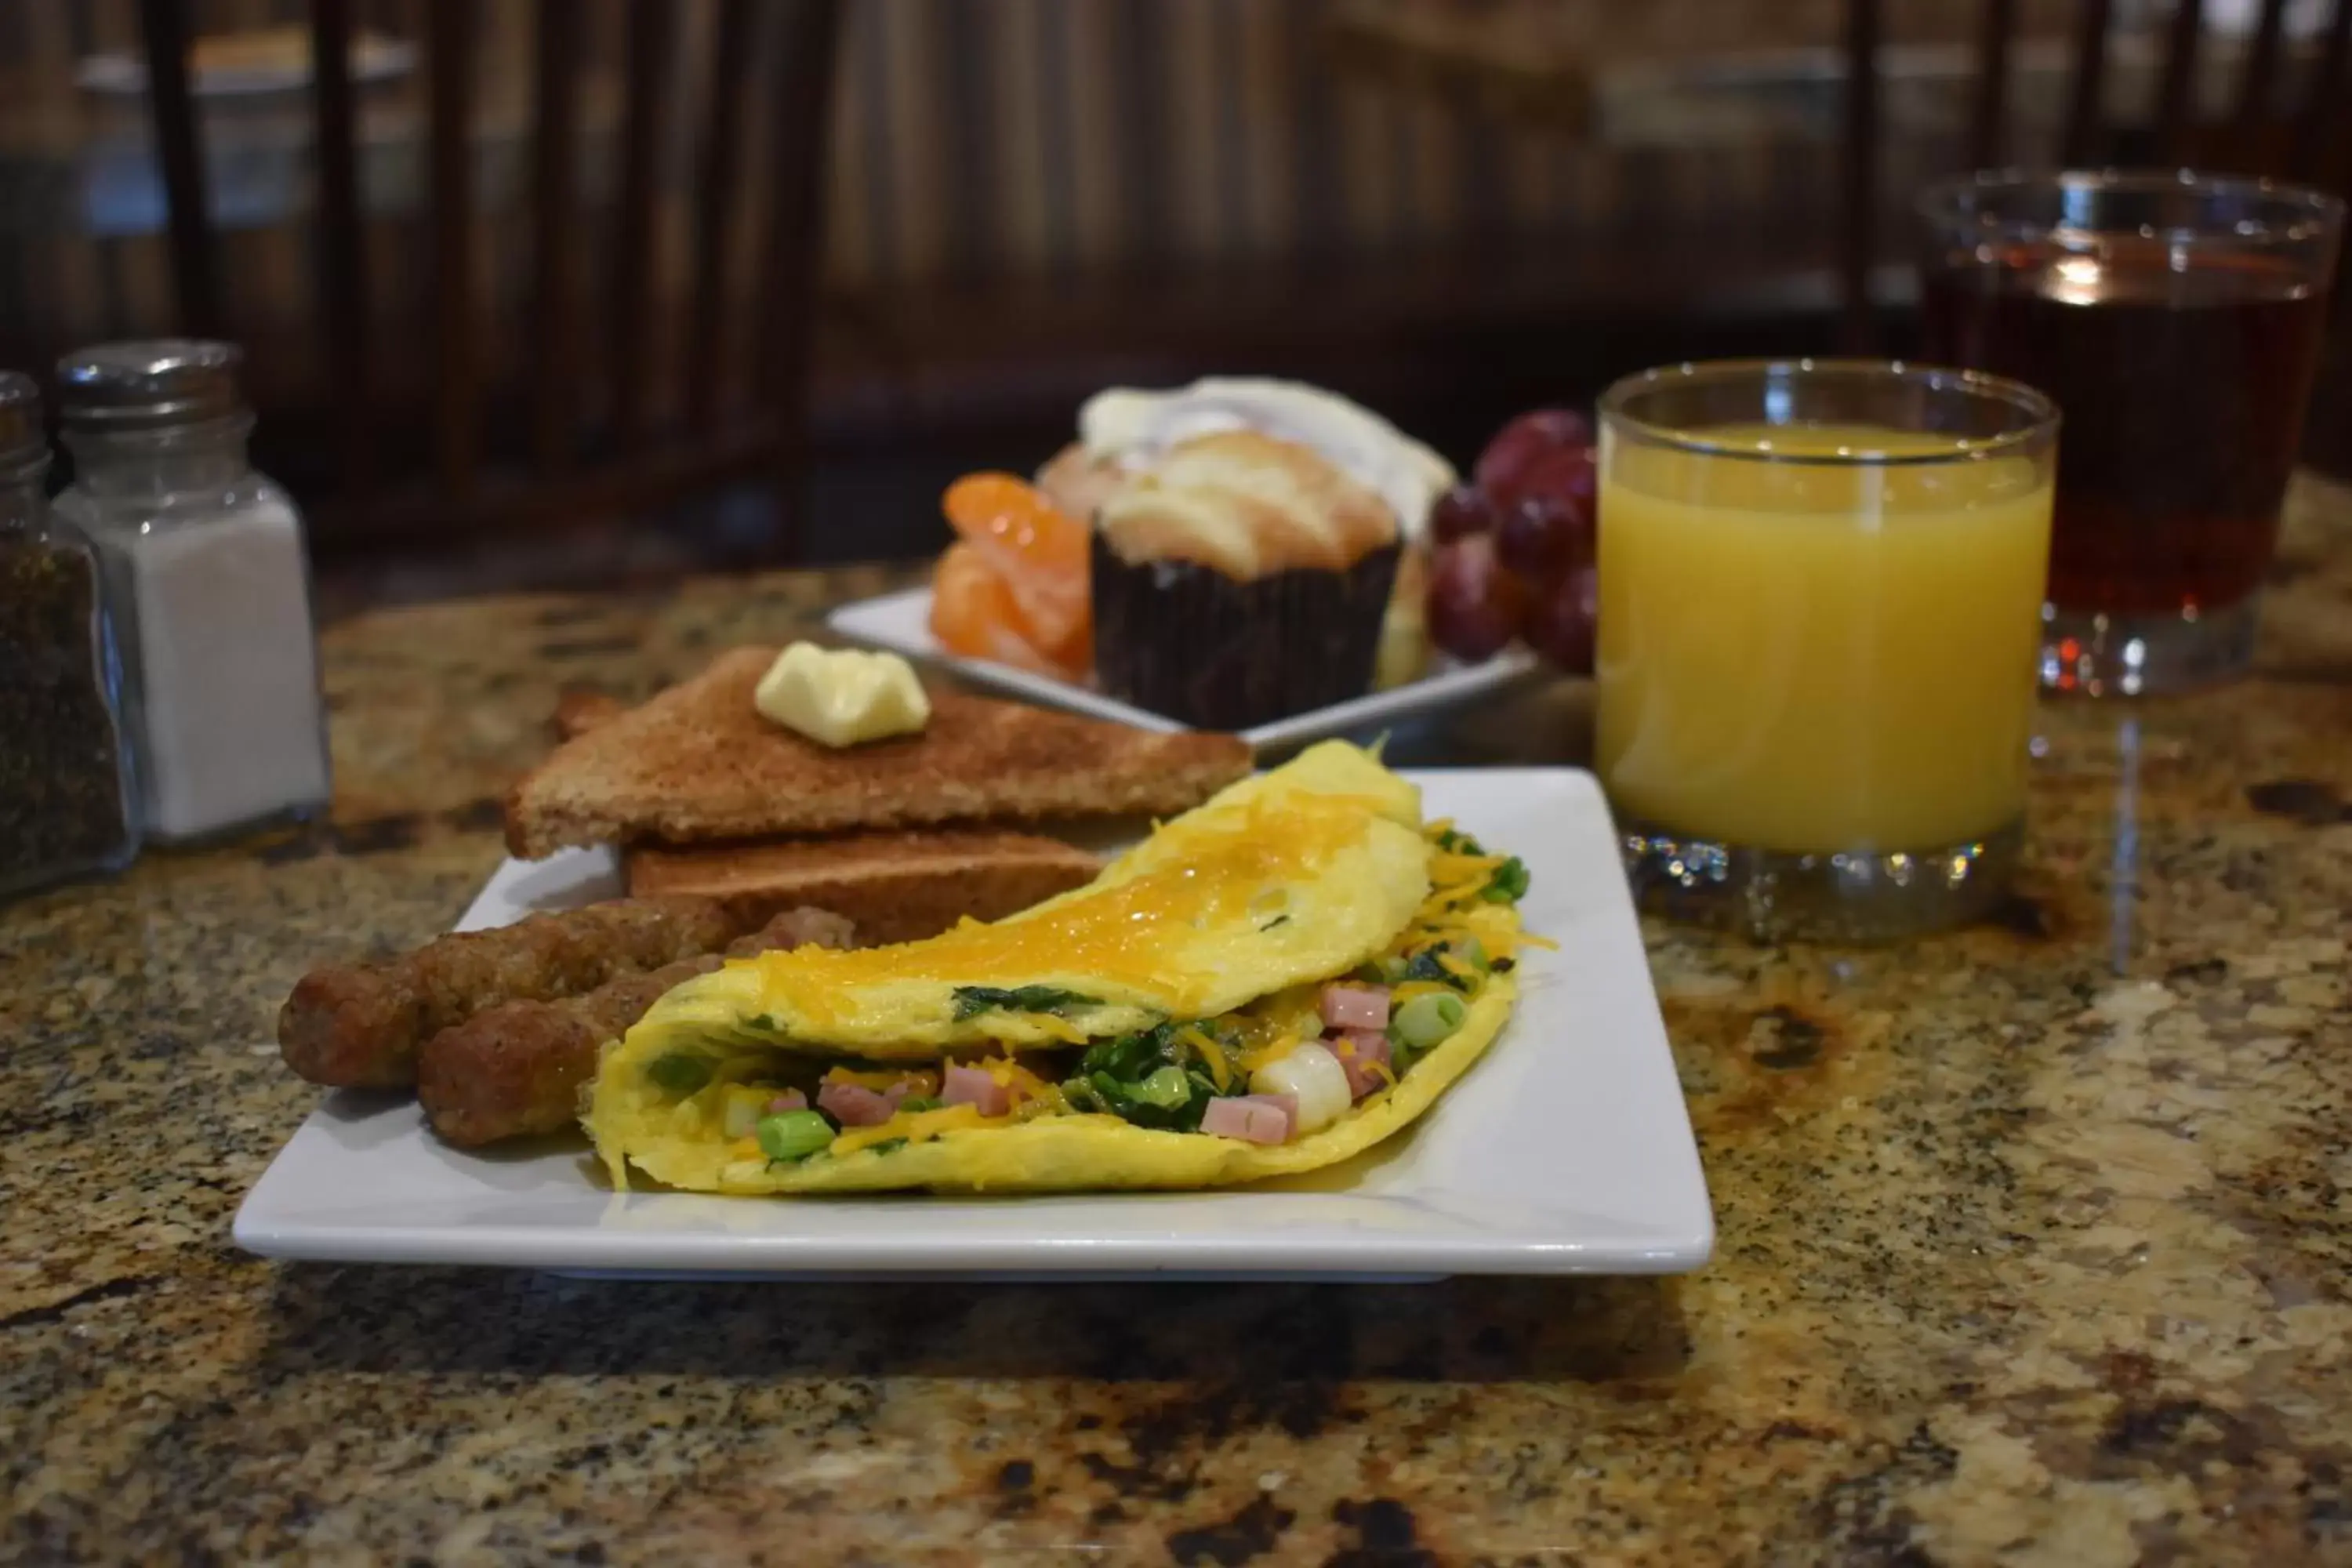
2177 321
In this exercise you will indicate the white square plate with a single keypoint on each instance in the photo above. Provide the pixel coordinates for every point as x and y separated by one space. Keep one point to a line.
1565 1150
901 622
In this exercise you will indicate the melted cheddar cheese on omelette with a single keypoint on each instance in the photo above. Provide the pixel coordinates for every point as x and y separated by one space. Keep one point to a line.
1269 982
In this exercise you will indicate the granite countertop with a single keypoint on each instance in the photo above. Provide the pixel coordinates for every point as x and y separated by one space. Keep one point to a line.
2036 1242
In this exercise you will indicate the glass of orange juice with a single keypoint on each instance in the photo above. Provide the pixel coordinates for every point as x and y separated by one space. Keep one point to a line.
1820 602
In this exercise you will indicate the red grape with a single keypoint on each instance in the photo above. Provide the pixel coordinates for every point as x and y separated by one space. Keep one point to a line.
1474 604
1543 536
1519 446
1566 475
1560 624
1460 512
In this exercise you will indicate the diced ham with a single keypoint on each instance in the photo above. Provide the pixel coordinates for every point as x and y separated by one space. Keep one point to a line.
1252 1118
973 1087
1359 1050
1355 1007
854 1105
791 1100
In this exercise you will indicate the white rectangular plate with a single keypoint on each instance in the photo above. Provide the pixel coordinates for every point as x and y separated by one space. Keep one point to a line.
901 622
1565 1150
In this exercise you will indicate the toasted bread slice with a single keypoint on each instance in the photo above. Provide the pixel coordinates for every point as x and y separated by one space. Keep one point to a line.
579 708
697 763
896 886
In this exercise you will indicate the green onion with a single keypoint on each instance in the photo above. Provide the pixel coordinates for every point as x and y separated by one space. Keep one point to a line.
793 1134
681 1072
1509 883
1166 1089
1427 1020
918 1102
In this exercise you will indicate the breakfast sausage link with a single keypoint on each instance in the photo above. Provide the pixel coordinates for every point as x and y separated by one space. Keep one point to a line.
518 1068
359 1025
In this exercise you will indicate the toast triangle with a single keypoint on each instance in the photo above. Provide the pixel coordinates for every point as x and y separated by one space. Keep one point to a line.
698 762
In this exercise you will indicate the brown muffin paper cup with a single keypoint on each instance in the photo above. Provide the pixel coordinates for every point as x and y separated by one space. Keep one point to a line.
1189 642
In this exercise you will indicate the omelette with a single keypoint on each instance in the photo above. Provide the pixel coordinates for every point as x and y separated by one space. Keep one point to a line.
1272 981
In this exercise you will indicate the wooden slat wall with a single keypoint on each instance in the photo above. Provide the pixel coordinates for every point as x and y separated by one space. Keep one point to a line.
164 32
985 138
342 252
556 232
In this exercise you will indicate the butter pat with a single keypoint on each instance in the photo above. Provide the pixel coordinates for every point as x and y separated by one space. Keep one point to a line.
841 697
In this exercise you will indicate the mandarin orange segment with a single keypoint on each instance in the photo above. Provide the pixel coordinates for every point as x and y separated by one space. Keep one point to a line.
1013 523
967 598
972 614
1037 552
1054 614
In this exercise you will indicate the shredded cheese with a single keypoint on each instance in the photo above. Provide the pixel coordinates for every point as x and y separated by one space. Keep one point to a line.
1027 1087
1061 1028
915 1127
884 1078
1211 1055
1281 1045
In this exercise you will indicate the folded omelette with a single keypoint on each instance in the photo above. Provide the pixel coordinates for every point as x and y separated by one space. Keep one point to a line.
1272 981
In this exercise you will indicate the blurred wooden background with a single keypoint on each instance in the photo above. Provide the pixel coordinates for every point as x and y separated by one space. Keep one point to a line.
1454 209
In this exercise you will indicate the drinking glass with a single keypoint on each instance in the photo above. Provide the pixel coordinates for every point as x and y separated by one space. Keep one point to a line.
2175 318
1821 595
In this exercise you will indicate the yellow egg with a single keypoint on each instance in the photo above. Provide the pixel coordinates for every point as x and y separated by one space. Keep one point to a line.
1284 881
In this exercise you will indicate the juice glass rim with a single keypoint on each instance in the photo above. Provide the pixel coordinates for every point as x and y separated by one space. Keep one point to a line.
2307 214
2038 411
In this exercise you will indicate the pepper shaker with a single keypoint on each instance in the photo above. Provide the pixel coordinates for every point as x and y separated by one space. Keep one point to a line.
67 802
204 560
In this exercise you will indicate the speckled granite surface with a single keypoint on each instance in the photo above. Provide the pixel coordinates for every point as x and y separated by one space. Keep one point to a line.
2036 1242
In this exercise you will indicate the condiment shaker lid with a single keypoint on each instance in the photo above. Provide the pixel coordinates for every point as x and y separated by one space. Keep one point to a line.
22 440
149 385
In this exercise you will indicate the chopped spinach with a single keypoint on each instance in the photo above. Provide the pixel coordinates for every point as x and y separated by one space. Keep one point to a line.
972 1001
1424 965
1427 963
1277 921
920 1102
1147 1077
887 1146
1132 1056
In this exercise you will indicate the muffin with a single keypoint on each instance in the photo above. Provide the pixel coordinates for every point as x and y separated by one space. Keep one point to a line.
1124 431
1239 579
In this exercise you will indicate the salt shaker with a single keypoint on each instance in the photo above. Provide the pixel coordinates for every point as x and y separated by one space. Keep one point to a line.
67 800
205 563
